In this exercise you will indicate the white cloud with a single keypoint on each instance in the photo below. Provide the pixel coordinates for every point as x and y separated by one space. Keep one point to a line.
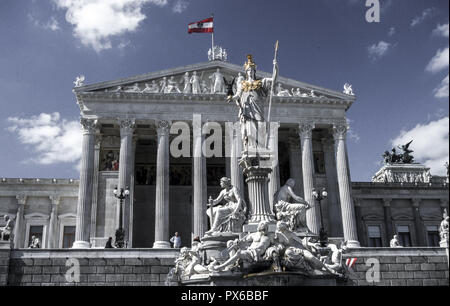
378 50
391 31
51 24
430 143
97 21
180 6
54 140
439 61
442 90
427 13
441 30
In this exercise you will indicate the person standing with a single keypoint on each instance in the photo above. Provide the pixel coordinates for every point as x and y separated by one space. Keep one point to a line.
176 240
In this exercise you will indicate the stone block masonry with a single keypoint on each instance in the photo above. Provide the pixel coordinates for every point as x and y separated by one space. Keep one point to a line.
116 267
149 267
398 267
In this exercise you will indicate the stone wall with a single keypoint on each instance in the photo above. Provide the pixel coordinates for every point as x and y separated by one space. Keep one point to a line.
114 267
400 267
149 267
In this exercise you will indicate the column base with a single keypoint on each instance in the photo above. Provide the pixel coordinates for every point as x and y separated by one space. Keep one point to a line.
81 245
353 244
161 245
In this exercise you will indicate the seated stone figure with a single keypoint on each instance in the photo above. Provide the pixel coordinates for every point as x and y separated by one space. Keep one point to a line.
7 232
293 213
231 216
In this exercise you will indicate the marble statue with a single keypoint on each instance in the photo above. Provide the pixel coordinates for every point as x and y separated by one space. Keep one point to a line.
296 93
312 94
348 90
172 86
281 92
230 216
217 83
163 85
151 88
35 243
7 232
187 83
290 207
443 229
189 262
219 54
204 87
134 88
118 89
79 81
250 99
253 248
395 243
302 254
195 81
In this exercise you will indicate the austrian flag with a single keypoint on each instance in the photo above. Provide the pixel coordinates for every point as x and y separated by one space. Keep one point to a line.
203 26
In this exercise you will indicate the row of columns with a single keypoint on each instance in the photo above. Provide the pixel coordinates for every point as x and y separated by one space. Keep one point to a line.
199 180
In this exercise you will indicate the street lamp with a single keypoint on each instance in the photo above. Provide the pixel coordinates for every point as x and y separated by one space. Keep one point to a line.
120 233
323 237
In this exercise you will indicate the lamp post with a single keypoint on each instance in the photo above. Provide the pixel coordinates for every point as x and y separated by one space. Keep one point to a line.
323 237
120 233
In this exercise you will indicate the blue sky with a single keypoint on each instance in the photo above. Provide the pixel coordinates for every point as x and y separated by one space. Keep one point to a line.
398 67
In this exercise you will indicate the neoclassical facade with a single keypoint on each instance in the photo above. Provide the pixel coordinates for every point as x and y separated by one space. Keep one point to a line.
131 139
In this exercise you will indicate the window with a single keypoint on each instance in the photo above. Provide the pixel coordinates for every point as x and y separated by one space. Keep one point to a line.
375 236
319 163
433 235
68 236
37 231
404 236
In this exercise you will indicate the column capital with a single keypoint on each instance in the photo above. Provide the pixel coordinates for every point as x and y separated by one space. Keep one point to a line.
387 202
89 125
126 126
162 127
21 199
340 131
55 199
305 129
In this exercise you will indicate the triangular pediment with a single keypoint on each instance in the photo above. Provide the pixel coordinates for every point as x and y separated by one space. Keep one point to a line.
201 79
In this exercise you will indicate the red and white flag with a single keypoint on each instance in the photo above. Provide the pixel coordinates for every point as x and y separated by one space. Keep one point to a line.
203 26
351 261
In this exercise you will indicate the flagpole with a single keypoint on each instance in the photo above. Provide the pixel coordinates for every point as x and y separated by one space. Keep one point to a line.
212 40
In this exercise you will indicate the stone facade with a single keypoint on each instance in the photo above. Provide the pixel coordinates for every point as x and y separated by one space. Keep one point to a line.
149 267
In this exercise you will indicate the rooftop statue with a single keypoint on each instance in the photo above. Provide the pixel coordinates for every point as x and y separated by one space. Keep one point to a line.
195 81
348 90
443 229
151 88
217 84
403 158
79 81
187 83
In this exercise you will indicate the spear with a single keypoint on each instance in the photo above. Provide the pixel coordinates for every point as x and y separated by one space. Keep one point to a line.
274 75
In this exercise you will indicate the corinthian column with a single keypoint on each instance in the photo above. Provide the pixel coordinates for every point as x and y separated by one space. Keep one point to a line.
162 187
83 225
274 176
312 214
18 242
347 208
98 144
125 167
51 241
199 183
334 211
